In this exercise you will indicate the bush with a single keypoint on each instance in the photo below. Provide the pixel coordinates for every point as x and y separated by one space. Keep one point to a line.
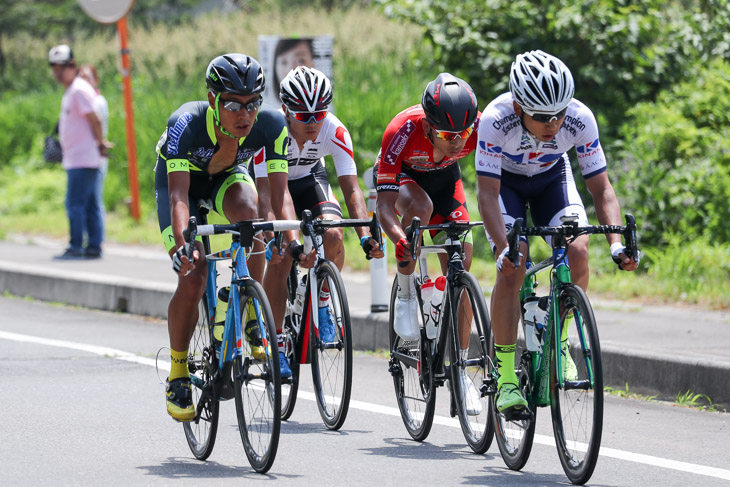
676 163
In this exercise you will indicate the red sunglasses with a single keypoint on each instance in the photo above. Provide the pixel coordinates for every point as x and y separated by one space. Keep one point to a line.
450 136
306 117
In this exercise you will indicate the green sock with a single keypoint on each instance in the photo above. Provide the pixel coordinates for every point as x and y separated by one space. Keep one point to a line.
178 364
505 364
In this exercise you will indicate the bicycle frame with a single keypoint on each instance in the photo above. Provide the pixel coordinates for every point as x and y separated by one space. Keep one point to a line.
312 237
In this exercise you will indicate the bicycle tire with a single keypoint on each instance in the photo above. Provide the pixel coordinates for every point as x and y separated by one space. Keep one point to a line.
201 432
258 385
515 437
473 411
292 323
332 362
414 391
577 407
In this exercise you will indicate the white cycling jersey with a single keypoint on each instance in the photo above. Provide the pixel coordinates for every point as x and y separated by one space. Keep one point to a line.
503 142
333 139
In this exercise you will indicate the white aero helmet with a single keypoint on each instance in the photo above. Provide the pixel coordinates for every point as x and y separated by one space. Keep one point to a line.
306 90
540 83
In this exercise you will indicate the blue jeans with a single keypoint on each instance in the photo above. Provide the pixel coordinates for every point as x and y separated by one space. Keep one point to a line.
85 208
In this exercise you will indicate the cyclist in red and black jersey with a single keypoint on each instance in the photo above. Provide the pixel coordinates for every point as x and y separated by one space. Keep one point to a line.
417 174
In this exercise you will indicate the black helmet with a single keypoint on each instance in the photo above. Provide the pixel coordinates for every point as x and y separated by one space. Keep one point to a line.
449 103
234 73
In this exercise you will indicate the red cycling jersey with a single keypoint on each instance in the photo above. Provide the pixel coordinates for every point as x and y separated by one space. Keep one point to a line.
406 148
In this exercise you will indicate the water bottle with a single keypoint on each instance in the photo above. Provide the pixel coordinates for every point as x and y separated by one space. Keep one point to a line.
426 293
299 297
436 298
534 320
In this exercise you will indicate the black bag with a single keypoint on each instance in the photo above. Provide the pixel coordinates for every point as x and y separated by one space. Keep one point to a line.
52 149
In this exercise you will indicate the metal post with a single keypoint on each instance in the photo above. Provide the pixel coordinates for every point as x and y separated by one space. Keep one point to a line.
131 144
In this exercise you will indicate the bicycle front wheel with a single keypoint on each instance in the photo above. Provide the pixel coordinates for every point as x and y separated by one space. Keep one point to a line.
471 365
515 433
201 432
332 361
412 371
577 403
257 382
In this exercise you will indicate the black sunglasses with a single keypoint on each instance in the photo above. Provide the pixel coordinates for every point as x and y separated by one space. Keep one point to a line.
234 106
547 117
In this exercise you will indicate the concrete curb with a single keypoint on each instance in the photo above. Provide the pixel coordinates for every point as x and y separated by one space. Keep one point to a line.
664 375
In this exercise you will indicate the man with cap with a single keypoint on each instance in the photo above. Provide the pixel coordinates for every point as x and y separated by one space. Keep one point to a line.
84 147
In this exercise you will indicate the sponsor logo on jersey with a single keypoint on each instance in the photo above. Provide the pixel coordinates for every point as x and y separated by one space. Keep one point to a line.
398 142
418 159
588 149
388 187
507 123
387 178
174 134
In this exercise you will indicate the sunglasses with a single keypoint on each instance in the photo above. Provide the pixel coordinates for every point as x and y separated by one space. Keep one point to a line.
450 136
234 106
306 117
547 117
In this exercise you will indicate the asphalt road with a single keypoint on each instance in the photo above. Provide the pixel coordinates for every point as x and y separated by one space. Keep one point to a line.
82 405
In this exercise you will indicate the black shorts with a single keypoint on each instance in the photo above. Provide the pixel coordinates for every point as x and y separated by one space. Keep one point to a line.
444 187
313 192
203 186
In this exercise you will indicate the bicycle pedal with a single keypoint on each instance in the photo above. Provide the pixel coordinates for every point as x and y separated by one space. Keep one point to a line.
523 414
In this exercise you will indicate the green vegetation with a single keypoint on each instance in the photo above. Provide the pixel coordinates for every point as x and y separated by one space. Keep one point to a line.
698 401
626 394
643 68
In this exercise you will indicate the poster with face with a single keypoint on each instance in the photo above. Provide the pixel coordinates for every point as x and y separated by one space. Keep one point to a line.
278 55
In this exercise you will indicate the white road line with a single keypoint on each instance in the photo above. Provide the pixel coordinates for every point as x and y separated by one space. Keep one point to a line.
378 409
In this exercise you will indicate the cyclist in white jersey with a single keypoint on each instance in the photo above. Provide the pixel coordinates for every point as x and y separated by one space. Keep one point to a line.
521 160
306 93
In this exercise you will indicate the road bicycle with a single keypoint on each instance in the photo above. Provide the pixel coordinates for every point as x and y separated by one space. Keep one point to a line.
575 396
226 368
458 351
331 360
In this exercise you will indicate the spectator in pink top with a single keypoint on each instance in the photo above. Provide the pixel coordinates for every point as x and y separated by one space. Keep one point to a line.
84 147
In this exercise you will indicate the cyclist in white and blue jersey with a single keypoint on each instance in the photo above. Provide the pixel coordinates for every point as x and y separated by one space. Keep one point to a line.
521 160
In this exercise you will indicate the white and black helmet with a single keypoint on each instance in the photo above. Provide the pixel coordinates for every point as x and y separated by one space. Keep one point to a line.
306 90
540 83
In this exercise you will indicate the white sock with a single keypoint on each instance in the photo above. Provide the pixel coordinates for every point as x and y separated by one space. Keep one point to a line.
405 282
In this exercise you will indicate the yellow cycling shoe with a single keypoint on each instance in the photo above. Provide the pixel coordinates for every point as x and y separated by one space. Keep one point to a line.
180 399
510 398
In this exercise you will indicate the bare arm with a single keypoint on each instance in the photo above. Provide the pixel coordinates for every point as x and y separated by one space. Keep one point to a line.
282 206
357 209
608 210
96 130
490 212
388 217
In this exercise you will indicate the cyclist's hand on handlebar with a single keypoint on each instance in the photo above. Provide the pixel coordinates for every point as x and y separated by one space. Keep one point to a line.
403 250
181 265
504 264
618 253
296 250
274 254
371 247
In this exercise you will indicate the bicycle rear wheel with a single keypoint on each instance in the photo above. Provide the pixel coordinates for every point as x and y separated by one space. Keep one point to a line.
291 330
332 362
471 377
201 432
515 434
577 406
412 371
257 384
